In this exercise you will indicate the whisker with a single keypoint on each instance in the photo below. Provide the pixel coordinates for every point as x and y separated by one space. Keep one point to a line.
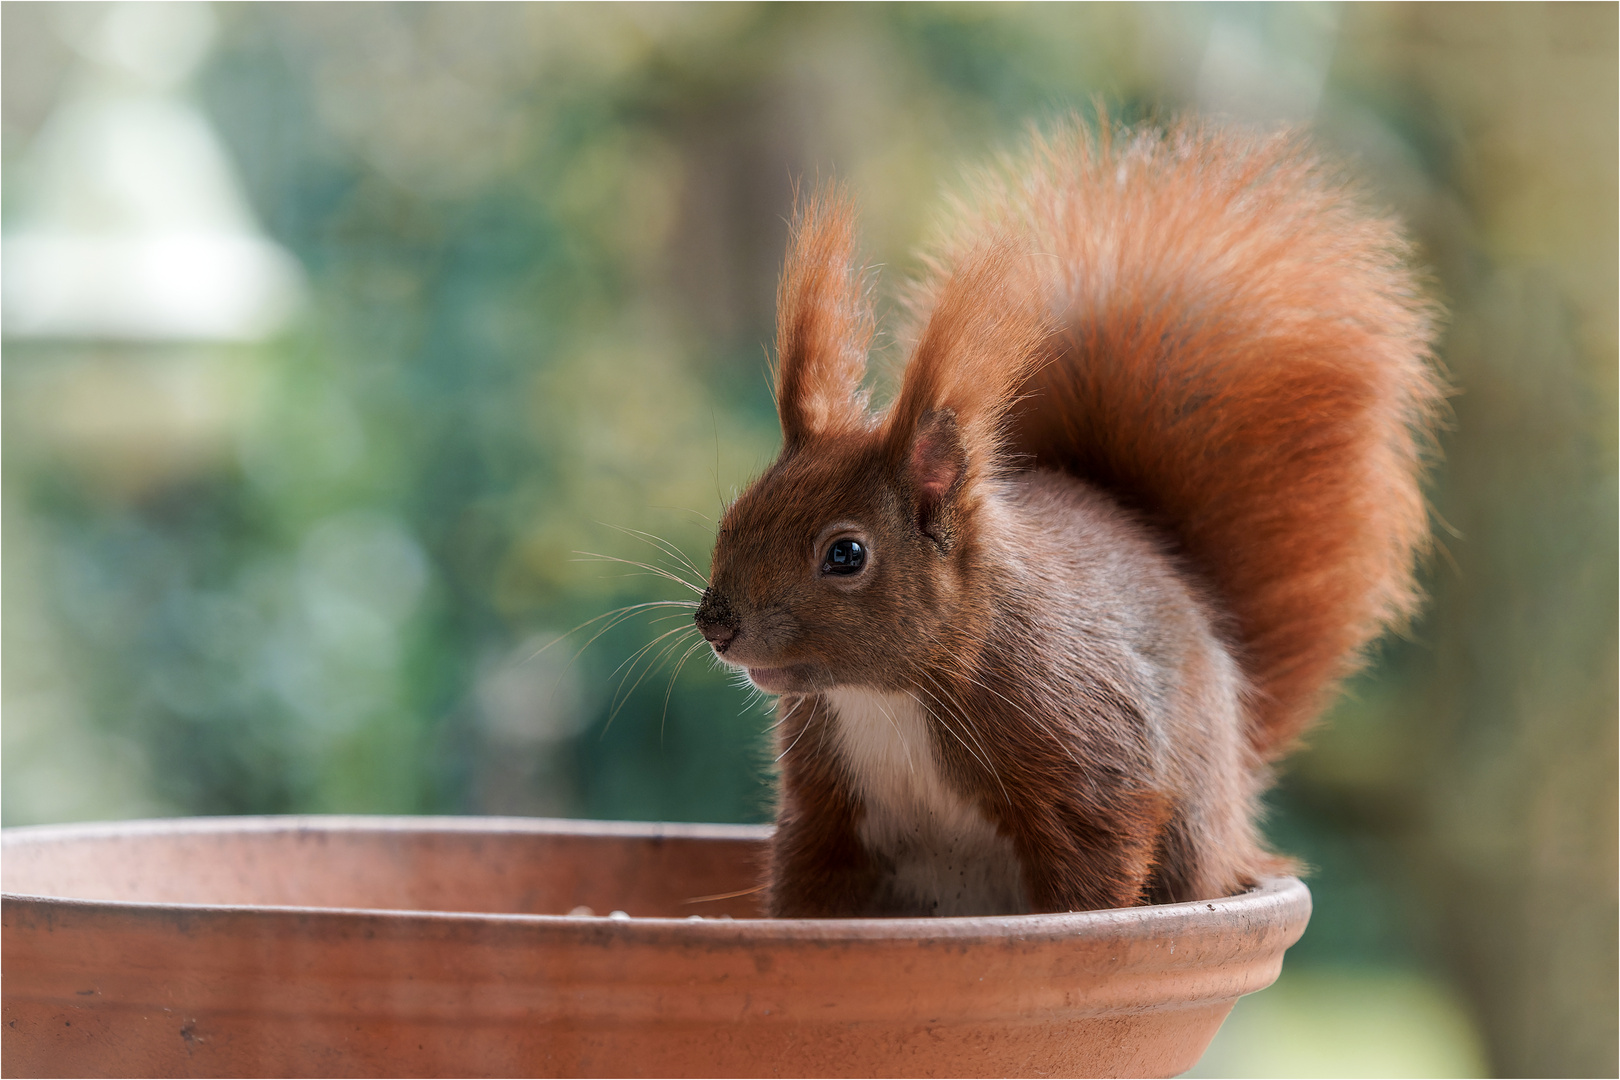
705 518
664 716
740 679
795 741
821 742
625 577
690 605
614 618
943 716
663 656
967 723
911 765
639 653
784 717
629 664
665 546
680 564
659 570
621 696
625 615
983 756
726 895
1035 721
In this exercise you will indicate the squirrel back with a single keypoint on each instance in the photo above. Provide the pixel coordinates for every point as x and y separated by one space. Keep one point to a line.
1239 353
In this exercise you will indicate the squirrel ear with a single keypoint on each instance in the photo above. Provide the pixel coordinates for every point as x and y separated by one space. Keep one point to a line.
980 344
937 467
823 322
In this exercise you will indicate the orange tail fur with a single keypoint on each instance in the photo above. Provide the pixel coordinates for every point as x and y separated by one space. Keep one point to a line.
1243 357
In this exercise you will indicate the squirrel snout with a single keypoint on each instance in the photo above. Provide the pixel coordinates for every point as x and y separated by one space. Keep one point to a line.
715 620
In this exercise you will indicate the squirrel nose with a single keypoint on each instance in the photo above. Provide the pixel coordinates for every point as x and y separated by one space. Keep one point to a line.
715 620
718 636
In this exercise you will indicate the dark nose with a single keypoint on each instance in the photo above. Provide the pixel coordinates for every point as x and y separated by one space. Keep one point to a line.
715 620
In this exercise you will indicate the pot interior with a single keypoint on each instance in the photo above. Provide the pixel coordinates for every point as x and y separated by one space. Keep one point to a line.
485 865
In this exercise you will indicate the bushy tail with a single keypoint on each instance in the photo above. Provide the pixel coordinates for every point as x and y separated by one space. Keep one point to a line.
1243 358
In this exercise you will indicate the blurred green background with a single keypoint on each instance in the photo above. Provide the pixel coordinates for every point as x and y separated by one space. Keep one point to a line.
334 332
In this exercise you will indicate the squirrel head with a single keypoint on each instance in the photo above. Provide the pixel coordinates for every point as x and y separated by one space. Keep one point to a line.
864 552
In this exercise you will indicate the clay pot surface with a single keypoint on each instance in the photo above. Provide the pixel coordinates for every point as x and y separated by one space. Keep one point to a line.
323 946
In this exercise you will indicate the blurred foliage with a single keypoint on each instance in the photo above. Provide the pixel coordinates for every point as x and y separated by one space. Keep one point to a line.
320 574
1330 1021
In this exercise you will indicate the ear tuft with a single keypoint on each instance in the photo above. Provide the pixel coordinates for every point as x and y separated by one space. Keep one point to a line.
984 338
823 322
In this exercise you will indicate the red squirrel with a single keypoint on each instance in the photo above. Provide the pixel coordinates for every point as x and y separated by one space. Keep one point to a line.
1150 485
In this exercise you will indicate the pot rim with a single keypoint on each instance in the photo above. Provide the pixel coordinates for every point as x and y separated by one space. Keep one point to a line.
1274 902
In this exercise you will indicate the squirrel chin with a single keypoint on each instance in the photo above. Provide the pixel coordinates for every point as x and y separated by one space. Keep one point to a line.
780 680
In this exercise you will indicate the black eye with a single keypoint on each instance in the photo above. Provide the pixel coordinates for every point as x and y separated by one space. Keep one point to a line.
845 556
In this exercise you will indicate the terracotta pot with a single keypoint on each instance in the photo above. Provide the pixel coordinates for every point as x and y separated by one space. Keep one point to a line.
429 947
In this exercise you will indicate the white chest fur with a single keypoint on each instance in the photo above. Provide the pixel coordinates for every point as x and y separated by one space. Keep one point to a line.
944 856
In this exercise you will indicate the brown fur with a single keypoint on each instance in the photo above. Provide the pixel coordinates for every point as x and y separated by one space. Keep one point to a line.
1150 485
823 324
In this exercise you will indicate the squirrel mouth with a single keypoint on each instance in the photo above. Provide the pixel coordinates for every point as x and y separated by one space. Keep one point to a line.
778 680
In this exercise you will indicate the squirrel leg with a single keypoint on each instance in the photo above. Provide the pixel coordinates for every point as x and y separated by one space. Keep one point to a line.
1084 855
818 866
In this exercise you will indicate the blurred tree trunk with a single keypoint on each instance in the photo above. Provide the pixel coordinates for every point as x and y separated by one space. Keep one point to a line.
1520 850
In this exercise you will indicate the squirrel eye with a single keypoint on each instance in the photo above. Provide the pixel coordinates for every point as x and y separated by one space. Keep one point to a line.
845 556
